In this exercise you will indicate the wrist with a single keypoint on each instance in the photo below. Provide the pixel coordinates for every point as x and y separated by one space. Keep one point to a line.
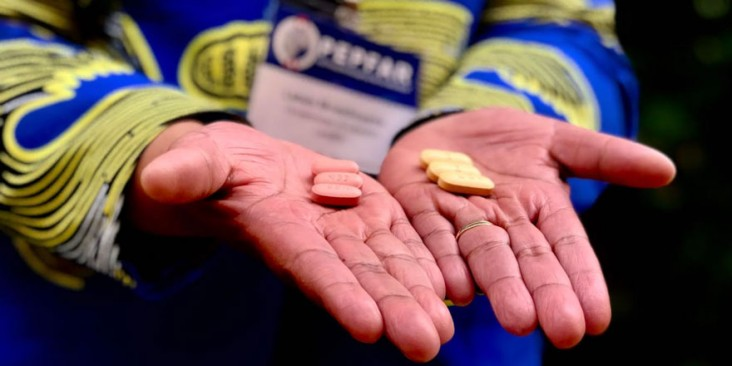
426 116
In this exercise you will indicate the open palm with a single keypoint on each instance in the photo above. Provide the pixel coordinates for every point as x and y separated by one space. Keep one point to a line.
535 263
365 264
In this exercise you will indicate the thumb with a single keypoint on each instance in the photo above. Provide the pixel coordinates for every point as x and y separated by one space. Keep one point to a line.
192 169
613 159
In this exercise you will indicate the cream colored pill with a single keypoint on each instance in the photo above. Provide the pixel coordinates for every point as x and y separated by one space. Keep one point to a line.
335 165
331 194
347 178
440 166
457 182
429 155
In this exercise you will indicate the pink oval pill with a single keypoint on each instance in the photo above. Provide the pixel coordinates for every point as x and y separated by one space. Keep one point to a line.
335 165
332 194
349 179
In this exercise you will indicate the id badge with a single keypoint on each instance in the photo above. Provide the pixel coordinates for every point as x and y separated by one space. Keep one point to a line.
330 89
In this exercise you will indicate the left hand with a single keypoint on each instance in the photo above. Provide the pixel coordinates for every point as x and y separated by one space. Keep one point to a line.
535 263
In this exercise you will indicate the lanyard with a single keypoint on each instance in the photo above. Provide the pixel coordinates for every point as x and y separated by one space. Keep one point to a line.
343 12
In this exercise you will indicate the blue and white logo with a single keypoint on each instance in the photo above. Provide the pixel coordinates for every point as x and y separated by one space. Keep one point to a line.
317 48
295 43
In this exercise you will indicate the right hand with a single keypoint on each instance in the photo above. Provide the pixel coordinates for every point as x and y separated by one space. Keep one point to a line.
365 265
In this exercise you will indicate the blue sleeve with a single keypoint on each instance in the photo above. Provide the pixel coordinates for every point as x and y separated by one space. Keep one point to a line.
74 122
557 60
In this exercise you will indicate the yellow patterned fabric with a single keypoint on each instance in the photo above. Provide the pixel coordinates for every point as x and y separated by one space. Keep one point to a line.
57 14
63 192
530 68
438 31
601 17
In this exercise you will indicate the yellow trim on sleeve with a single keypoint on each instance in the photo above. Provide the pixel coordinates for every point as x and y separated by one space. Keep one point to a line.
468 95
43 269
530 68
437 31
219 63
137 45
62 199
557 11
57 13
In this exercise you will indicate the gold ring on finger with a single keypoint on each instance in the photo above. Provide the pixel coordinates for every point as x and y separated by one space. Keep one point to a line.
471 225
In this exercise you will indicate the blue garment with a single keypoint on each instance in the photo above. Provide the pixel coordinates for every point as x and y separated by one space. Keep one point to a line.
229 316
232 310
234 314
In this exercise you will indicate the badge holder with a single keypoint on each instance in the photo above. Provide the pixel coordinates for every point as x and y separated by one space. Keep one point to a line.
328 88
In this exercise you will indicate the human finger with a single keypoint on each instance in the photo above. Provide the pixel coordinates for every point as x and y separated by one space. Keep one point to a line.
564 231
427 207
408 272
393 217
406 322
558 310
433 220
308 260
399 260
485 246
608 158
193 169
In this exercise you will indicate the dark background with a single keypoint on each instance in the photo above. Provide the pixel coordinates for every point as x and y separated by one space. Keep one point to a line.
666 252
